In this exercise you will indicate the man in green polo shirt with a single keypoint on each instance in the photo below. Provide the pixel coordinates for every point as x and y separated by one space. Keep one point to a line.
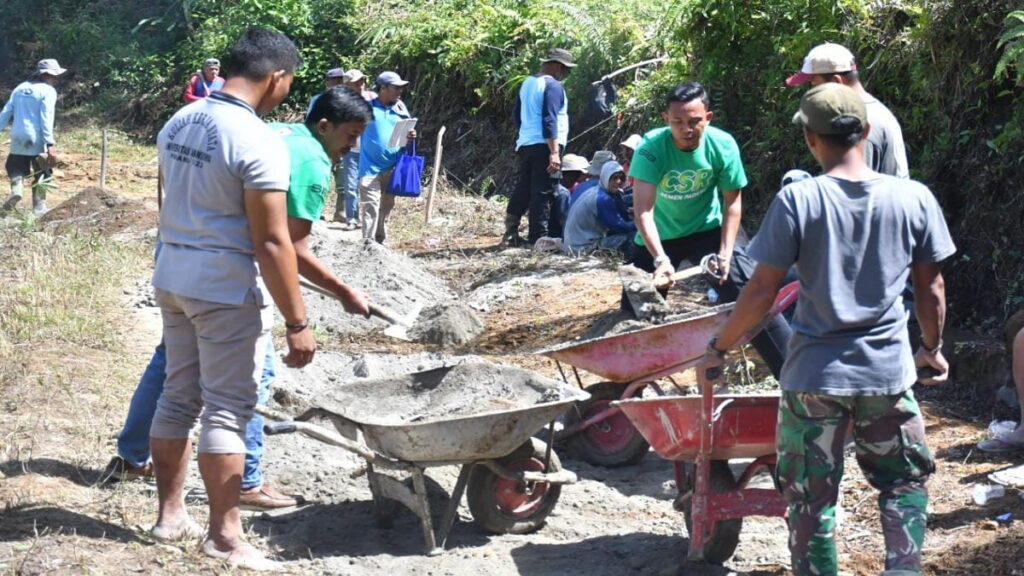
333 125
687 203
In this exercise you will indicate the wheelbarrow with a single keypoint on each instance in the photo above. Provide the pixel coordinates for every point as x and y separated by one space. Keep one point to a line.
595 430
700 434
478 415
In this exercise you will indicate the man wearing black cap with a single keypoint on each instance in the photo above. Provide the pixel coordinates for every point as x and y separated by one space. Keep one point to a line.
854 236
33 150
542 116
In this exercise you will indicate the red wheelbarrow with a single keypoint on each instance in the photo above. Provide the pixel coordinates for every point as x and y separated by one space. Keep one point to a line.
700 434
595 430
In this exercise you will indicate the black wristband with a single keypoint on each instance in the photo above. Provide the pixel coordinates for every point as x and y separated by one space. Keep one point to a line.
932 351
712 349
293 328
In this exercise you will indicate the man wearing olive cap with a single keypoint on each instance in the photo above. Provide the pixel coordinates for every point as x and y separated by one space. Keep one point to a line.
542 116
854 236
33 149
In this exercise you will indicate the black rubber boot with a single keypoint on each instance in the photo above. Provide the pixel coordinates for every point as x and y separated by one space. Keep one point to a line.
511 237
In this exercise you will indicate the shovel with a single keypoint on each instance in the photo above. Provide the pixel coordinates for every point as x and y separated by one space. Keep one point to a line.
642 290
399 325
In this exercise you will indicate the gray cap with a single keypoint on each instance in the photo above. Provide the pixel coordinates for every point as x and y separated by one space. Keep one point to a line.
335 73
211 63
390 78
49 66
562 56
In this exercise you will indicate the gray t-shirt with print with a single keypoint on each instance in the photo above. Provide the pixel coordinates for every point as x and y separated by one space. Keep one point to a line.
210 152
853 244
884 150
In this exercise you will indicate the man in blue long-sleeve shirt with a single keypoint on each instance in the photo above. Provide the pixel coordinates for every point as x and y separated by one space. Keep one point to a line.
542 116
33 149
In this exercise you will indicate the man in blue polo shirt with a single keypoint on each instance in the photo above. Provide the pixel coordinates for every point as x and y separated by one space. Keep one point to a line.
376 159
542 116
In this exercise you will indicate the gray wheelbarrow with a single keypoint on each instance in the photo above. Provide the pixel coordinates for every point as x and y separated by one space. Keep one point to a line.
478 415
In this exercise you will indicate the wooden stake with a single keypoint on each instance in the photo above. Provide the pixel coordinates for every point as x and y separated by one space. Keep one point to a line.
437 168
103 162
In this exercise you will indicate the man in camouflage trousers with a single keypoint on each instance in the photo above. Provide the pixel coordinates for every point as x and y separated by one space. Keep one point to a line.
854 236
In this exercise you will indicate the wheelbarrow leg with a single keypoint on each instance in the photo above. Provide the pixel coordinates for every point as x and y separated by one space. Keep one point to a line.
453 503
420 487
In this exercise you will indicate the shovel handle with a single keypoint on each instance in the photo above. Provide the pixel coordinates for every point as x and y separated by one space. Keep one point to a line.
662 281
385 315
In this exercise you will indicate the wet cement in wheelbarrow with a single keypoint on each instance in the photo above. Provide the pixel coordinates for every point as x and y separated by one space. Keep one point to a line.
466 389
394 281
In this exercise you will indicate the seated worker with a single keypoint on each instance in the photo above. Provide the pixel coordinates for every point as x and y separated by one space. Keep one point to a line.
573 168
593 174
204 82
626 149
1012 441
597 219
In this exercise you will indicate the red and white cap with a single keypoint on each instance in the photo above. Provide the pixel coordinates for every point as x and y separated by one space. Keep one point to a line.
824 58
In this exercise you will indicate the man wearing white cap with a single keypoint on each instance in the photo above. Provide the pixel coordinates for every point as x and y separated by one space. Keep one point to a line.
376 159
883 150
627 148
33 150
346 175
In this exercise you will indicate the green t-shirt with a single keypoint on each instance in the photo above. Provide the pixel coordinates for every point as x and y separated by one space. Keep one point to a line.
310 179
688 199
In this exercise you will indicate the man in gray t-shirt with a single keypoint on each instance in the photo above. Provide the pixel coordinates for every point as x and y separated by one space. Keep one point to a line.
854 237
225 175
884 151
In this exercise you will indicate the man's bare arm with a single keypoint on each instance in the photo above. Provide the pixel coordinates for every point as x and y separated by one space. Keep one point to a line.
311 268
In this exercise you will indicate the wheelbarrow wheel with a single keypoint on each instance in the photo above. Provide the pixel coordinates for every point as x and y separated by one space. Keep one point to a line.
503 506
724 535
612 442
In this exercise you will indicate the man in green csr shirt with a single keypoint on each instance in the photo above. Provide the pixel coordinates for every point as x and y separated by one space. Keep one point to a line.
687 203
333 125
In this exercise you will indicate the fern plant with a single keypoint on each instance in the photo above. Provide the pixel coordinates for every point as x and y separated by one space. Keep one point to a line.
1012 44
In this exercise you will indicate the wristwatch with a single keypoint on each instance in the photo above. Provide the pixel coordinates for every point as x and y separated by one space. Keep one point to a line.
659 260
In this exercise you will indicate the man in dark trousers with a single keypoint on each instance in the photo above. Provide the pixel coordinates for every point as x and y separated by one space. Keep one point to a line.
542 116
854 236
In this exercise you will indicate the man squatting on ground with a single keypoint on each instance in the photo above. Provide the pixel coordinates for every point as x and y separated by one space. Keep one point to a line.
33 151
377 160
331 126
687 204
225 174
542 115
854 236
600 219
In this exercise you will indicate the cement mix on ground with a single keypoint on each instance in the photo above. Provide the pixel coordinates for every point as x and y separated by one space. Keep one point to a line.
392 280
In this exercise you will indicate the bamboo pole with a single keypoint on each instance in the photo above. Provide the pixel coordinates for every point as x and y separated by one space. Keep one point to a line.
437 168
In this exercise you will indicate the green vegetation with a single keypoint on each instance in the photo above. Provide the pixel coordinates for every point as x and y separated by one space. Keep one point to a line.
951 70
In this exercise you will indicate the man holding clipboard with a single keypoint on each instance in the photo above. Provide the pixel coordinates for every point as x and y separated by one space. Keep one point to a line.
381 144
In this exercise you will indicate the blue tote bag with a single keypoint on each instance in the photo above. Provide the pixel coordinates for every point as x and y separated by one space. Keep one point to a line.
405 180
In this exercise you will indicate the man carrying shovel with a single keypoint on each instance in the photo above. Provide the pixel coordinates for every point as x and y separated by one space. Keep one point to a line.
687 204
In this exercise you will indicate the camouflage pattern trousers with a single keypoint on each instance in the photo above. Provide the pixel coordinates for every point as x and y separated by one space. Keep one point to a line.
888 432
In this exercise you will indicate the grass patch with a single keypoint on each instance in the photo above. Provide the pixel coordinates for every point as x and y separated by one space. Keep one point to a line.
60 290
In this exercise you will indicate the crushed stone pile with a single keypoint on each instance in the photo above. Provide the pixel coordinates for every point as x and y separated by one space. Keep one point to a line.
446 324
393 281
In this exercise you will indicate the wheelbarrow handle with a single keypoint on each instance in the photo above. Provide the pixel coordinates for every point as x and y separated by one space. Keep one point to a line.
273 428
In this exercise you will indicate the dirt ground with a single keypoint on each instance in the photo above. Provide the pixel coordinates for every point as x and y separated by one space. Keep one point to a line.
57 516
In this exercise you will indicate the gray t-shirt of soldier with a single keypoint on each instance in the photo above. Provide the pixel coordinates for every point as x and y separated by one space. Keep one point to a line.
853 244
884 150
